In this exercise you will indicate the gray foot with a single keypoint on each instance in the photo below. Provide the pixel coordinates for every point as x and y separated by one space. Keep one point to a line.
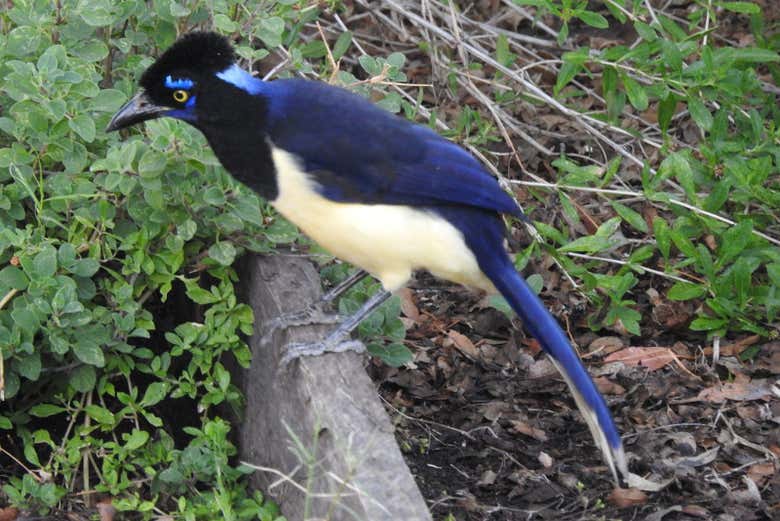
312 314
329 345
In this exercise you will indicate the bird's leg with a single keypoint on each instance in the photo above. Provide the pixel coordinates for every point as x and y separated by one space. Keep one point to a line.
337 340
313 313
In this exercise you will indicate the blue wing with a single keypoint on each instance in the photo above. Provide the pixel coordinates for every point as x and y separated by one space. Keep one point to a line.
360 153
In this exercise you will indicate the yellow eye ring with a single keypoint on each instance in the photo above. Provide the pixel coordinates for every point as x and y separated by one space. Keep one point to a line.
180 96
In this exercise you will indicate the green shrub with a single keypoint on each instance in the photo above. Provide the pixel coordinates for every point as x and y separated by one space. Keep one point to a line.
717 192
96 232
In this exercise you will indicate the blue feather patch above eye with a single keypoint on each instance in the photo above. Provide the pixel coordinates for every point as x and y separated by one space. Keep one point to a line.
178 83
240 78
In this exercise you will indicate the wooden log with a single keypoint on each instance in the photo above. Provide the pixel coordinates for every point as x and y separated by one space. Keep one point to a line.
319 421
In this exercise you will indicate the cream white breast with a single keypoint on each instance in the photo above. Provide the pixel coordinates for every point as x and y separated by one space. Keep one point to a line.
388 241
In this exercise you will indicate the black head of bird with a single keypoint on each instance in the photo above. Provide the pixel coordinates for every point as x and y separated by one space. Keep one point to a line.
191 81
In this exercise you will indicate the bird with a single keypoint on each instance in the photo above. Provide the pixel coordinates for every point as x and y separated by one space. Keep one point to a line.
379 191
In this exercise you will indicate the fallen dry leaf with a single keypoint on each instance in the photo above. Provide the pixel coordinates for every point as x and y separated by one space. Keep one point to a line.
463 344
8 514
734 348
529 430
627 497
737 391
604 344
607 386
697 511
408 307
761 472
494 410
653 358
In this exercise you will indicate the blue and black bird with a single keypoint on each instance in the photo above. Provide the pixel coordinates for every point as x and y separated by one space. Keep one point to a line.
376 190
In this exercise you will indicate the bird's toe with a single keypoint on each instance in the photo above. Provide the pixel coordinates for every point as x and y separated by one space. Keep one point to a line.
297 350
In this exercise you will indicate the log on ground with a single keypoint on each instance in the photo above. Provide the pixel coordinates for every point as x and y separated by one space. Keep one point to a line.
318 423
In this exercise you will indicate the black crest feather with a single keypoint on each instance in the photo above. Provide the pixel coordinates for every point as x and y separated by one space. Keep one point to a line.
202 52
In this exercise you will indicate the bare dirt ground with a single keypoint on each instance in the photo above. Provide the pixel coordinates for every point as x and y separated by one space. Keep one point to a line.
491 433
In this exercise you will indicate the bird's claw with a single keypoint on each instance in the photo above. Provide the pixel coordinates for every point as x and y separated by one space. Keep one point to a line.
296 350
309 315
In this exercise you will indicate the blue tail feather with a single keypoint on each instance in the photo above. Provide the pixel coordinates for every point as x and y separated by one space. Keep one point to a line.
484 235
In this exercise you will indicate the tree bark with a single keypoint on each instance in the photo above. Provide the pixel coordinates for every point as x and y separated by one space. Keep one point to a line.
319 421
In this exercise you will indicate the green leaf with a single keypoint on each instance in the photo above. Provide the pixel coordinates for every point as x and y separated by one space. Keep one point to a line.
136 439
178 10
172 475
187 229
752 55
535 282
152 164
100 414
31 454
498 302
84 267
154 394
741 7
708 324
198 294
223 252
84 126
214 196
773 270
281 231
503 55
270 31
645 31
26 319
683 244
96 13
44 410
29 366
741 273
224 24
700 114
632 217
13 277
394 354
589 244
593 19
45 263
342 45
108 100
662 237
563 33
573 63
89 352
83 378
686 291
734 240
636 93
672 57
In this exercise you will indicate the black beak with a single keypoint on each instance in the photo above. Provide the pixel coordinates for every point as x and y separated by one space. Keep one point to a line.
139 108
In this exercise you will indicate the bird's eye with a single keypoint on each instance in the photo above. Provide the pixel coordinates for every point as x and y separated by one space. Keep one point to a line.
180 96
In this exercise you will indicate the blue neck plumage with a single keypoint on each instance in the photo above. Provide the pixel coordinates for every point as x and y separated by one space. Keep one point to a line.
237 76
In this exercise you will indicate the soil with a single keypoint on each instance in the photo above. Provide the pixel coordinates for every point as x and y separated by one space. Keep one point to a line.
491 432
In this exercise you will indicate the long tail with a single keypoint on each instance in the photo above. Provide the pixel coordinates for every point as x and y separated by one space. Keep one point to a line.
484 234
543 326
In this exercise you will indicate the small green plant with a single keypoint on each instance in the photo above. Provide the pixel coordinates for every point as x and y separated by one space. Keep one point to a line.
716 201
